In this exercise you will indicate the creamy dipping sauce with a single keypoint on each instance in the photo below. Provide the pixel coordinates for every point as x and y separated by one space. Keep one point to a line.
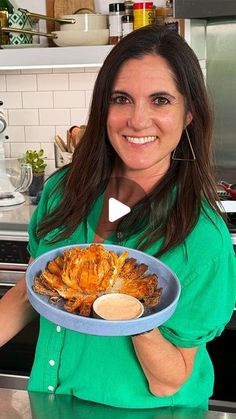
118 307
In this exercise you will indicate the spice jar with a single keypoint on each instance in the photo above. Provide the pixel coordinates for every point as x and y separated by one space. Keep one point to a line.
143 14
128 7
127 24
116 11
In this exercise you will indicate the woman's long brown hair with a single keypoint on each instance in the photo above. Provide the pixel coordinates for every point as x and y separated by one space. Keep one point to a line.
180 193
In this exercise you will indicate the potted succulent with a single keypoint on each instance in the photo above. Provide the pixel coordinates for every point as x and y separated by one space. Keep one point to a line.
37 161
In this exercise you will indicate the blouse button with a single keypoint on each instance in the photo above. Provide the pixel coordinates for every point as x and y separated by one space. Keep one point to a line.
50 388
52 362
119 235
58 329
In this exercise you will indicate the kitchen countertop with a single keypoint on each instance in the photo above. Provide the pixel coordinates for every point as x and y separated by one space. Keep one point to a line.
16 217
19 404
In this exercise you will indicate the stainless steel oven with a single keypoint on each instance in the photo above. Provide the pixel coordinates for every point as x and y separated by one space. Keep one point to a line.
16 357
222 353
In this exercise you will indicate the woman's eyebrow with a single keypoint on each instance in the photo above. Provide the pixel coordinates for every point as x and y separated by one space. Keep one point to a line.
120 92
162 93
152 95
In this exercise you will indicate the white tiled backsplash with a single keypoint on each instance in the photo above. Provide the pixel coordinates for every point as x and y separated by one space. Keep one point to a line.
41 103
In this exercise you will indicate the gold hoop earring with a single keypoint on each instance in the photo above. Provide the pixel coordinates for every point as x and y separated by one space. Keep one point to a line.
193 158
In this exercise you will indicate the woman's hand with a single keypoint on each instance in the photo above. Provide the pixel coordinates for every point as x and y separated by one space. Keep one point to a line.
165 365
15 311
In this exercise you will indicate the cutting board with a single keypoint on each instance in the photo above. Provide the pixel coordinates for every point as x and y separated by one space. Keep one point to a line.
58 8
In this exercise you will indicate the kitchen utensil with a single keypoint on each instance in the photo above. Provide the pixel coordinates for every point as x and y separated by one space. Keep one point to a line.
60 143
55 8
69 143
230 188
81 38
14 177
85 22
26 31
77 29
152 317
75 133
70 38
82 19
66 7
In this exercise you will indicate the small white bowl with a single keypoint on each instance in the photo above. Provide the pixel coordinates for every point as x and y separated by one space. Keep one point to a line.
117 306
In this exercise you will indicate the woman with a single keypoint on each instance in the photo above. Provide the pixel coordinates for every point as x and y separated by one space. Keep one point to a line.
150 125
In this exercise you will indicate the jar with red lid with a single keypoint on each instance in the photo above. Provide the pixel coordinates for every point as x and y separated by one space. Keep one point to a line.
143 14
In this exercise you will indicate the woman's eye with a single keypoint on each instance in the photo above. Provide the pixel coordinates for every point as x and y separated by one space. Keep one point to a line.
120 100
161 100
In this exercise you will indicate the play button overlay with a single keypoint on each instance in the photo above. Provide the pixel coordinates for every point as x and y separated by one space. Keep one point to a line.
122 210
116 209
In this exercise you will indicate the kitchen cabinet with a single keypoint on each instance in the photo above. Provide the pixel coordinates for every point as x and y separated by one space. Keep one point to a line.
186 9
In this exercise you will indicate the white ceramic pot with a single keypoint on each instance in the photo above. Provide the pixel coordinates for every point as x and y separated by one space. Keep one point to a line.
85 22
71 38
81 38
83 19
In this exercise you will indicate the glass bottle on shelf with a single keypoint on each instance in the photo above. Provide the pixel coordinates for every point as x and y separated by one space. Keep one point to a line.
6 8
6 5
127 24
170 22
128 7
169 8
116 11
127 19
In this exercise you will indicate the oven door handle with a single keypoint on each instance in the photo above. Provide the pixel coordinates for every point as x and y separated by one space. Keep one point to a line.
7 284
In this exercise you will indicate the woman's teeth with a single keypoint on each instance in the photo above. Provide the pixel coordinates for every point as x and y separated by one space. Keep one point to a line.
141 140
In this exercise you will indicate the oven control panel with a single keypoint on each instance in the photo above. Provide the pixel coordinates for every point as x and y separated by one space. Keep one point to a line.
12 252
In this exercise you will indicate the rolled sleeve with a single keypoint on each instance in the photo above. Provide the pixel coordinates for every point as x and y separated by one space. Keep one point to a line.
206 304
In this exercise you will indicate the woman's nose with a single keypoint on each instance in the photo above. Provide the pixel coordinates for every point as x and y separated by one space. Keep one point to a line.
139 117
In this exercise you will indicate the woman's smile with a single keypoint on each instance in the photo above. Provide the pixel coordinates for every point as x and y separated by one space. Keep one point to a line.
140 140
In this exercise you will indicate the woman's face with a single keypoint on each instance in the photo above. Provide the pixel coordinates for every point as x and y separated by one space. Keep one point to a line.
146 115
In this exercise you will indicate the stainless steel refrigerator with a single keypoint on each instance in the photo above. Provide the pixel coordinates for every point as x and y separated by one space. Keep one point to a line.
219 20
221 83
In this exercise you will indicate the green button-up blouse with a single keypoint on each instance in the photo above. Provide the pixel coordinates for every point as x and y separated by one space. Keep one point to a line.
105 369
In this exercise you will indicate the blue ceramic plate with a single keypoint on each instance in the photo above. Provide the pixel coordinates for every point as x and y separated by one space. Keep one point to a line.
152 318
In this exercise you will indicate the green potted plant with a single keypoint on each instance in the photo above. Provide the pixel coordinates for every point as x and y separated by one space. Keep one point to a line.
37 161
